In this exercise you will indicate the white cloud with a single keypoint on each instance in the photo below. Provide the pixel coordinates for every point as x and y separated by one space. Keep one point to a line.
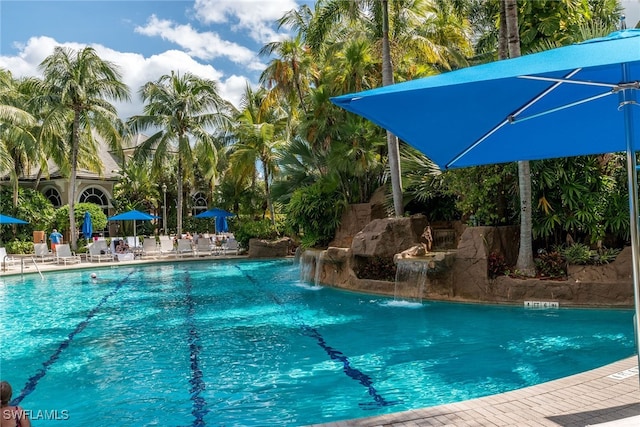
257 17
136 70
204 45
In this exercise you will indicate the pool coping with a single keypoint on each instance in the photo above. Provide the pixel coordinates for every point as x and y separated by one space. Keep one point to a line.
609 394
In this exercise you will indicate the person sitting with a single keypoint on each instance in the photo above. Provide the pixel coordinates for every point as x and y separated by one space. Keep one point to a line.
11 415
122 247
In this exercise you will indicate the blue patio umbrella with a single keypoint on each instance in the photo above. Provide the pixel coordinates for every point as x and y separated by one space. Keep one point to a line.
6 219
214 213
133 215
87 225
221 224
575 100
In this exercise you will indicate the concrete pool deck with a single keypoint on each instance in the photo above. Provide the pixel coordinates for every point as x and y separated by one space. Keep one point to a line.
607 396
604 397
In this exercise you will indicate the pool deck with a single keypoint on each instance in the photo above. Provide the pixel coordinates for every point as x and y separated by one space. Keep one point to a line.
606 397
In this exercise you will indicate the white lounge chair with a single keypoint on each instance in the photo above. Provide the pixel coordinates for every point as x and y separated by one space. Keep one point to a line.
99 251
7 260
231 246
42 253
185 247
204 246
150 246
64 254
166 245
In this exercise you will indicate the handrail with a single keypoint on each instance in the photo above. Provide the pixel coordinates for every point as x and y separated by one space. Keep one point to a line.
37 268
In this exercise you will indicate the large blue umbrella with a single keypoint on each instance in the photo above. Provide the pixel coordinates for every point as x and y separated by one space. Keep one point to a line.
574 100
87 225
6 219
133 215
214 213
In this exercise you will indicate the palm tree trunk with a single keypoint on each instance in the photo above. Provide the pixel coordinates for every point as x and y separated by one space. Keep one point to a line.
180 199
392 140
525 263
267 190
75 141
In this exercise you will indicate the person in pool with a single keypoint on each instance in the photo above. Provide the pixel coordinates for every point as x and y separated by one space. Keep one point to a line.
12 416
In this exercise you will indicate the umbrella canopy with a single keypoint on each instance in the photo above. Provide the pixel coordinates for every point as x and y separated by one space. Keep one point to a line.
133 215
574 100
87 225
214 213
6 219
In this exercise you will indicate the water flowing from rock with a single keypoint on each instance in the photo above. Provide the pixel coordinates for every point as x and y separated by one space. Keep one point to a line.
311 264
411 279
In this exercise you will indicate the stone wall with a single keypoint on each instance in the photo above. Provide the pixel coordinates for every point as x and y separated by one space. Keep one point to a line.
462 275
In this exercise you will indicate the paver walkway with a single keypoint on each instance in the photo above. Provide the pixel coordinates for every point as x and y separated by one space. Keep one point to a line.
610 394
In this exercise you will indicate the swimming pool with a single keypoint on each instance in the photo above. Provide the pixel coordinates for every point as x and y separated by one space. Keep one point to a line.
244 343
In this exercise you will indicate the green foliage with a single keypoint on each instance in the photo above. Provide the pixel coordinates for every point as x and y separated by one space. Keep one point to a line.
485 192
314 212
98 218
551 265
262 229
19 247
581 254
33 207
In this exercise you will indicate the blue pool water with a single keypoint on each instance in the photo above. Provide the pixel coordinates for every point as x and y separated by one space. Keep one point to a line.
247 344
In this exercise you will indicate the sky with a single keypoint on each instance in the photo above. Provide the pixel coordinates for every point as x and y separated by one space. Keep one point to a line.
213 39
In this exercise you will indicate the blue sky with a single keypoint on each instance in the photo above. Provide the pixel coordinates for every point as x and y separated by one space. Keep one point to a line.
215 39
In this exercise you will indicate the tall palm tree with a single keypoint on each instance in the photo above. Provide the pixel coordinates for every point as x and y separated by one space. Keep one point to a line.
261 131
182 110
75 93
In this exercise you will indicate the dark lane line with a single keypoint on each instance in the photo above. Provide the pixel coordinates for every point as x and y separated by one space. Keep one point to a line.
334 354
197 383
32 382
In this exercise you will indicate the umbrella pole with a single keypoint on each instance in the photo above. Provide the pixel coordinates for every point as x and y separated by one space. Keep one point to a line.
627 101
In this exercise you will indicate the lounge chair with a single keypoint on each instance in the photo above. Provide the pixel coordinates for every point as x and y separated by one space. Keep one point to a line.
185 247
7 260
150 247
64 254
204 246
166 245
42 253
99 251
231 246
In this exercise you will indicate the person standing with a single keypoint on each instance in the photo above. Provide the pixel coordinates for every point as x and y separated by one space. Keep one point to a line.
56 239
12 416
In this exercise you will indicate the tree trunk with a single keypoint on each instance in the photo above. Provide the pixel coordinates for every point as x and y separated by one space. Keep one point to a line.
75 142
180 199
392 140
267 190
525 263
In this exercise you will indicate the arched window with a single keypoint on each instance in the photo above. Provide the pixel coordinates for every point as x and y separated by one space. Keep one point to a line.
97 197
199 203
54 197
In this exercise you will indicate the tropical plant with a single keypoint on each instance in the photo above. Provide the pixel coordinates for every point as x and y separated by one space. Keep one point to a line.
32 207
182 110
75 92
98 218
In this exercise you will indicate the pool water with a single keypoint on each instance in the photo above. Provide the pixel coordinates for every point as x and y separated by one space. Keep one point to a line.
243 343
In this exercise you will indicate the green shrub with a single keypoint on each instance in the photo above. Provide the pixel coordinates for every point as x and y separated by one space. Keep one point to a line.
19 247
577 254
262 229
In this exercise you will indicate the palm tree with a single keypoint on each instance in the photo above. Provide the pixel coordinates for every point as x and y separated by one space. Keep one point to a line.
74 93
261 132
182 110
